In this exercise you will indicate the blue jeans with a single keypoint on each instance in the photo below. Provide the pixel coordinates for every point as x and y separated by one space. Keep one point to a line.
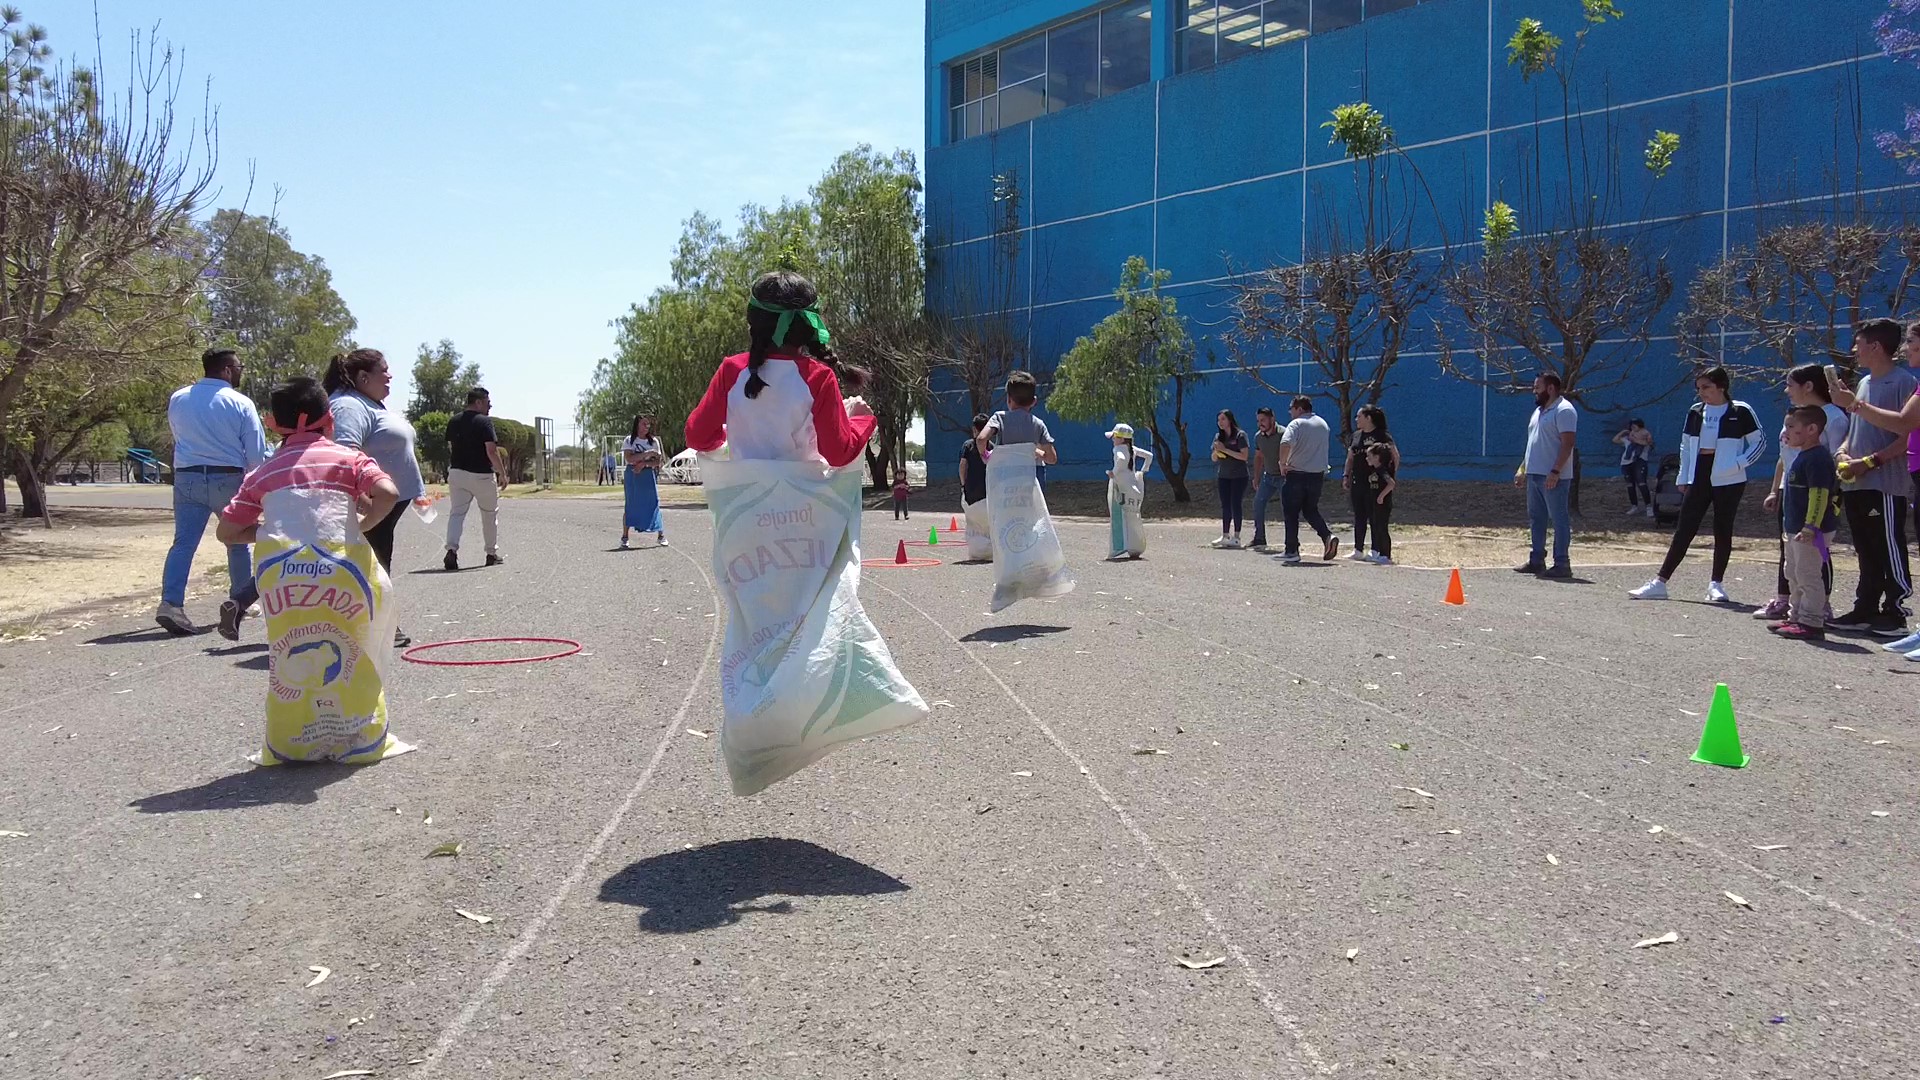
1544 502
198 496
1262 495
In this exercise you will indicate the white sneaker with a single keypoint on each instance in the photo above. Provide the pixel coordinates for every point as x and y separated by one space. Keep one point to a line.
1914 656
1358 556
1229 543
663 539
1905 645
1717 593
1652 590
172 619
1381 560
1223 541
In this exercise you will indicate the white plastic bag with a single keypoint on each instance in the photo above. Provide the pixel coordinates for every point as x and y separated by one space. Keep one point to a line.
979 530
804 669
1028 562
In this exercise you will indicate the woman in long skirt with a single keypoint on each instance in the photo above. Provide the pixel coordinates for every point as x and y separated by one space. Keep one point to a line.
642 451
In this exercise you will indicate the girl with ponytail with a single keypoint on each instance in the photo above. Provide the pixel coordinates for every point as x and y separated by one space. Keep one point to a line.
781 398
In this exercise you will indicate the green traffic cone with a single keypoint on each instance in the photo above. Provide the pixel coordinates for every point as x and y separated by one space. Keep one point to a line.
933 536
1720 739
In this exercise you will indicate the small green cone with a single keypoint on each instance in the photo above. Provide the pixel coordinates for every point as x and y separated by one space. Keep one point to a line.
933 536
1720 739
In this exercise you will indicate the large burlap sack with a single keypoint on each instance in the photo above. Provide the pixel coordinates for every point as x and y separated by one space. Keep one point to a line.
1127 535
979 530
803 671
330 617
1028 561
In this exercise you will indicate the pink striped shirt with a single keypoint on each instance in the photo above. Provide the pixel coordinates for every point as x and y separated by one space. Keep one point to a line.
309 463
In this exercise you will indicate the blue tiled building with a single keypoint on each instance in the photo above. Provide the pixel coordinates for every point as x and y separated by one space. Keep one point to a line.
1065 136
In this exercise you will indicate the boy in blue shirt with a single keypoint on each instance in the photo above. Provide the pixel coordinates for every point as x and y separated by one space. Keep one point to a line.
1809 514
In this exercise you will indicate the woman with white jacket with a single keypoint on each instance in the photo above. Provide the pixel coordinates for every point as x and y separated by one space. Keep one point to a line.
1721 439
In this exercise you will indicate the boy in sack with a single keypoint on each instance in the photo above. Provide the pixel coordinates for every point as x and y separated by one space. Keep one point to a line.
327 599
1028 560
1809 515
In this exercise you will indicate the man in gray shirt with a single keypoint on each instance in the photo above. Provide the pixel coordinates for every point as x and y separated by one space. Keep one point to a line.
1550 436
1303 463
1267 439
1875 486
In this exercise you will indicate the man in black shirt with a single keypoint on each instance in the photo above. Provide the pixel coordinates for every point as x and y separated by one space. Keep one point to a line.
477 471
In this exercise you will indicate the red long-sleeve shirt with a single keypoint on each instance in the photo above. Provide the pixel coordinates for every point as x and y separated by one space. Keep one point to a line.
798 415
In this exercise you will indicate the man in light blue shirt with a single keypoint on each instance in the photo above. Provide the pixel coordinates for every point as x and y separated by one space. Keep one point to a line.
1550 436
217 438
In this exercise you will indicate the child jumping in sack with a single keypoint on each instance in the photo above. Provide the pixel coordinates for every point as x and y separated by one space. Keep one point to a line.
1028 560
328 601
1126 488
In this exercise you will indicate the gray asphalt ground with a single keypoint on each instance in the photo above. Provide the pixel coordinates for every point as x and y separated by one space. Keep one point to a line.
1004 891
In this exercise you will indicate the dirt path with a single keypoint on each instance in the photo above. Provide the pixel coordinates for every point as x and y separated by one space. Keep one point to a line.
88 557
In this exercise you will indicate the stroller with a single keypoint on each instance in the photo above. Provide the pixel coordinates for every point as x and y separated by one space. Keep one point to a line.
1666 491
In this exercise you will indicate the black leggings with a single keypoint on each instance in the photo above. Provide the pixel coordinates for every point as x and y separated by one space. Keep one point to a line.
1233 493
1701 497
1362 503
380 537
1380 512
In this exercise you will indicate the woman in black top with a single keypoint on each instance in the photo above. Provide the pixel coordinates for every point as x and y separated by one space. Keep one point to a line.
973 468
1230 472
1369 428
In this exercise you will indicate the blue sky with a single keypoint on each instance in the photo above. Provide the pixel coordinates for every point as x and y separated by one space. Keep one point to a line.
513 177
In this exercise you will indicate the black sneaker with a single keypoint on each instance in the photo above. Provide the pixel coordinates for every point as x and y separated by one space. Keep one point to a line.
496 559
1857 619
1332 549
1888 626
230 620
400 638
451 562
1530 567
1558 573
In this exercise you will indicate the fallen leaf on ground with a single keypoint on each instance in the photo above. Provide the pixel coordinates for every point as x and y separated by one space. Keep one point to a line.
1553 860
1149 751
943 704
347 1072
465 914
14 835
1737 899
1843 727
1449 832
1669 938
1199 965
1023 772
1402 746
1656 830
700 734
320 975
1769 847
1419 791
1689 712
1880 742
1879 813
1370 686
426 817
53 729
1351 953
451 847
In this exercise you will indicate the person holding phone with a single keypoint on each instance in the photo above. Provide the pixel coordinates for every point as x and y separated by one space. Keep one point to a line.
1636 444
1875 483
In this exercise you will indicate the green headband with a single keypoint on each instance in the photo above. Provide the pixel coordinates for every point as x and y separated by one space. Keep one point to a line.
780 329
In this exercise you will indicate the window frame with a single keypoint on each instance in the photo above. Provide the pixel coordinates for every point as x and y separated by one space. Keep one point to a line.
955 71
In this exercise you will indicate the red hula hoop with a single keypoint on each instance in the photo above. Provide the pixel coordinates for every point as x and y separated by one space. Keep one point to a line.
409 656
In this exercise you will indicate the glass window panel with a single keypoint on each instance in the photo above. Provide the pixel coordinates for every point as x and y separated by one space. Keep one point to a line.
1195 49
975 113
1286 19
990 117
1023 60
957 126
1023 102
1126 47
1195 13
957 85
1073 64
1335 14
1383 7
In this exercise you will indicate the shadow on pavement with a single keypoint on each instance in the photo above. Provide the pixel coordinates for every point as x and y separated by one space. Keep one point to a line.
283 785
147 636
1013 632
714 885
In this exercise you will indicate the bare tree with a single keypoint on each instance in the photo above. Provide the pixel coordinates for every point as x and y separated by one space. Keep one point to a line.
976 338
1350 306
97 197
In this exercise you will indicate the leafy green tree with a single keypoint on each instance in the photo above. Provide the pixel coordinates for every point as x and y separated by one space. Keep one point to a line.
520 443
440 381
97 199
273 303
1135 363
430 436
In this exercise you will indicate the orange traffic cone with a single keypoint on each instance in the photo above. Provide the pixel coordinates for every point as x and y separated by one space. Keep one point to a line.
900 554
953 524
1456 595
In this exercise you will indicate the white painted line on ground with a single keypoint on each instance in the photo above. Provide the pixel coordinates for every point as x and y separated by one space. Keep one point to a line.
530 936
1374 706
1268 999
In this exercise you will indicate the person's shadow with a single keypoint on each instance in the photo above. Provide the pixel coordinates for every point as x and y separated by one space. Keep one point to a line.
278 786
1013 632
715 885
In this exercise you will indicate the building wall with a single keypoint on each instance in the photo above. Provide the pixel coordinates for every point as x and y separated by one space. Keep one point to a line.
1217 171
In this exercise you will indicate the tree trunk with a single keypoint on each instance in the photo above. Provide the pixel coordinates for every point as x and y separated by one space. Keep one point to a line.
3 487
33 493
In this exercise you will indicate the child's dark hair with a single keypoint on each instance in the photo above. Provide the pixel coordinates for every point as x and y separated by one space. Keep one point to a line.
787 291
1379 454
1814 378
1811 415
1022 390
298 402
979 421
